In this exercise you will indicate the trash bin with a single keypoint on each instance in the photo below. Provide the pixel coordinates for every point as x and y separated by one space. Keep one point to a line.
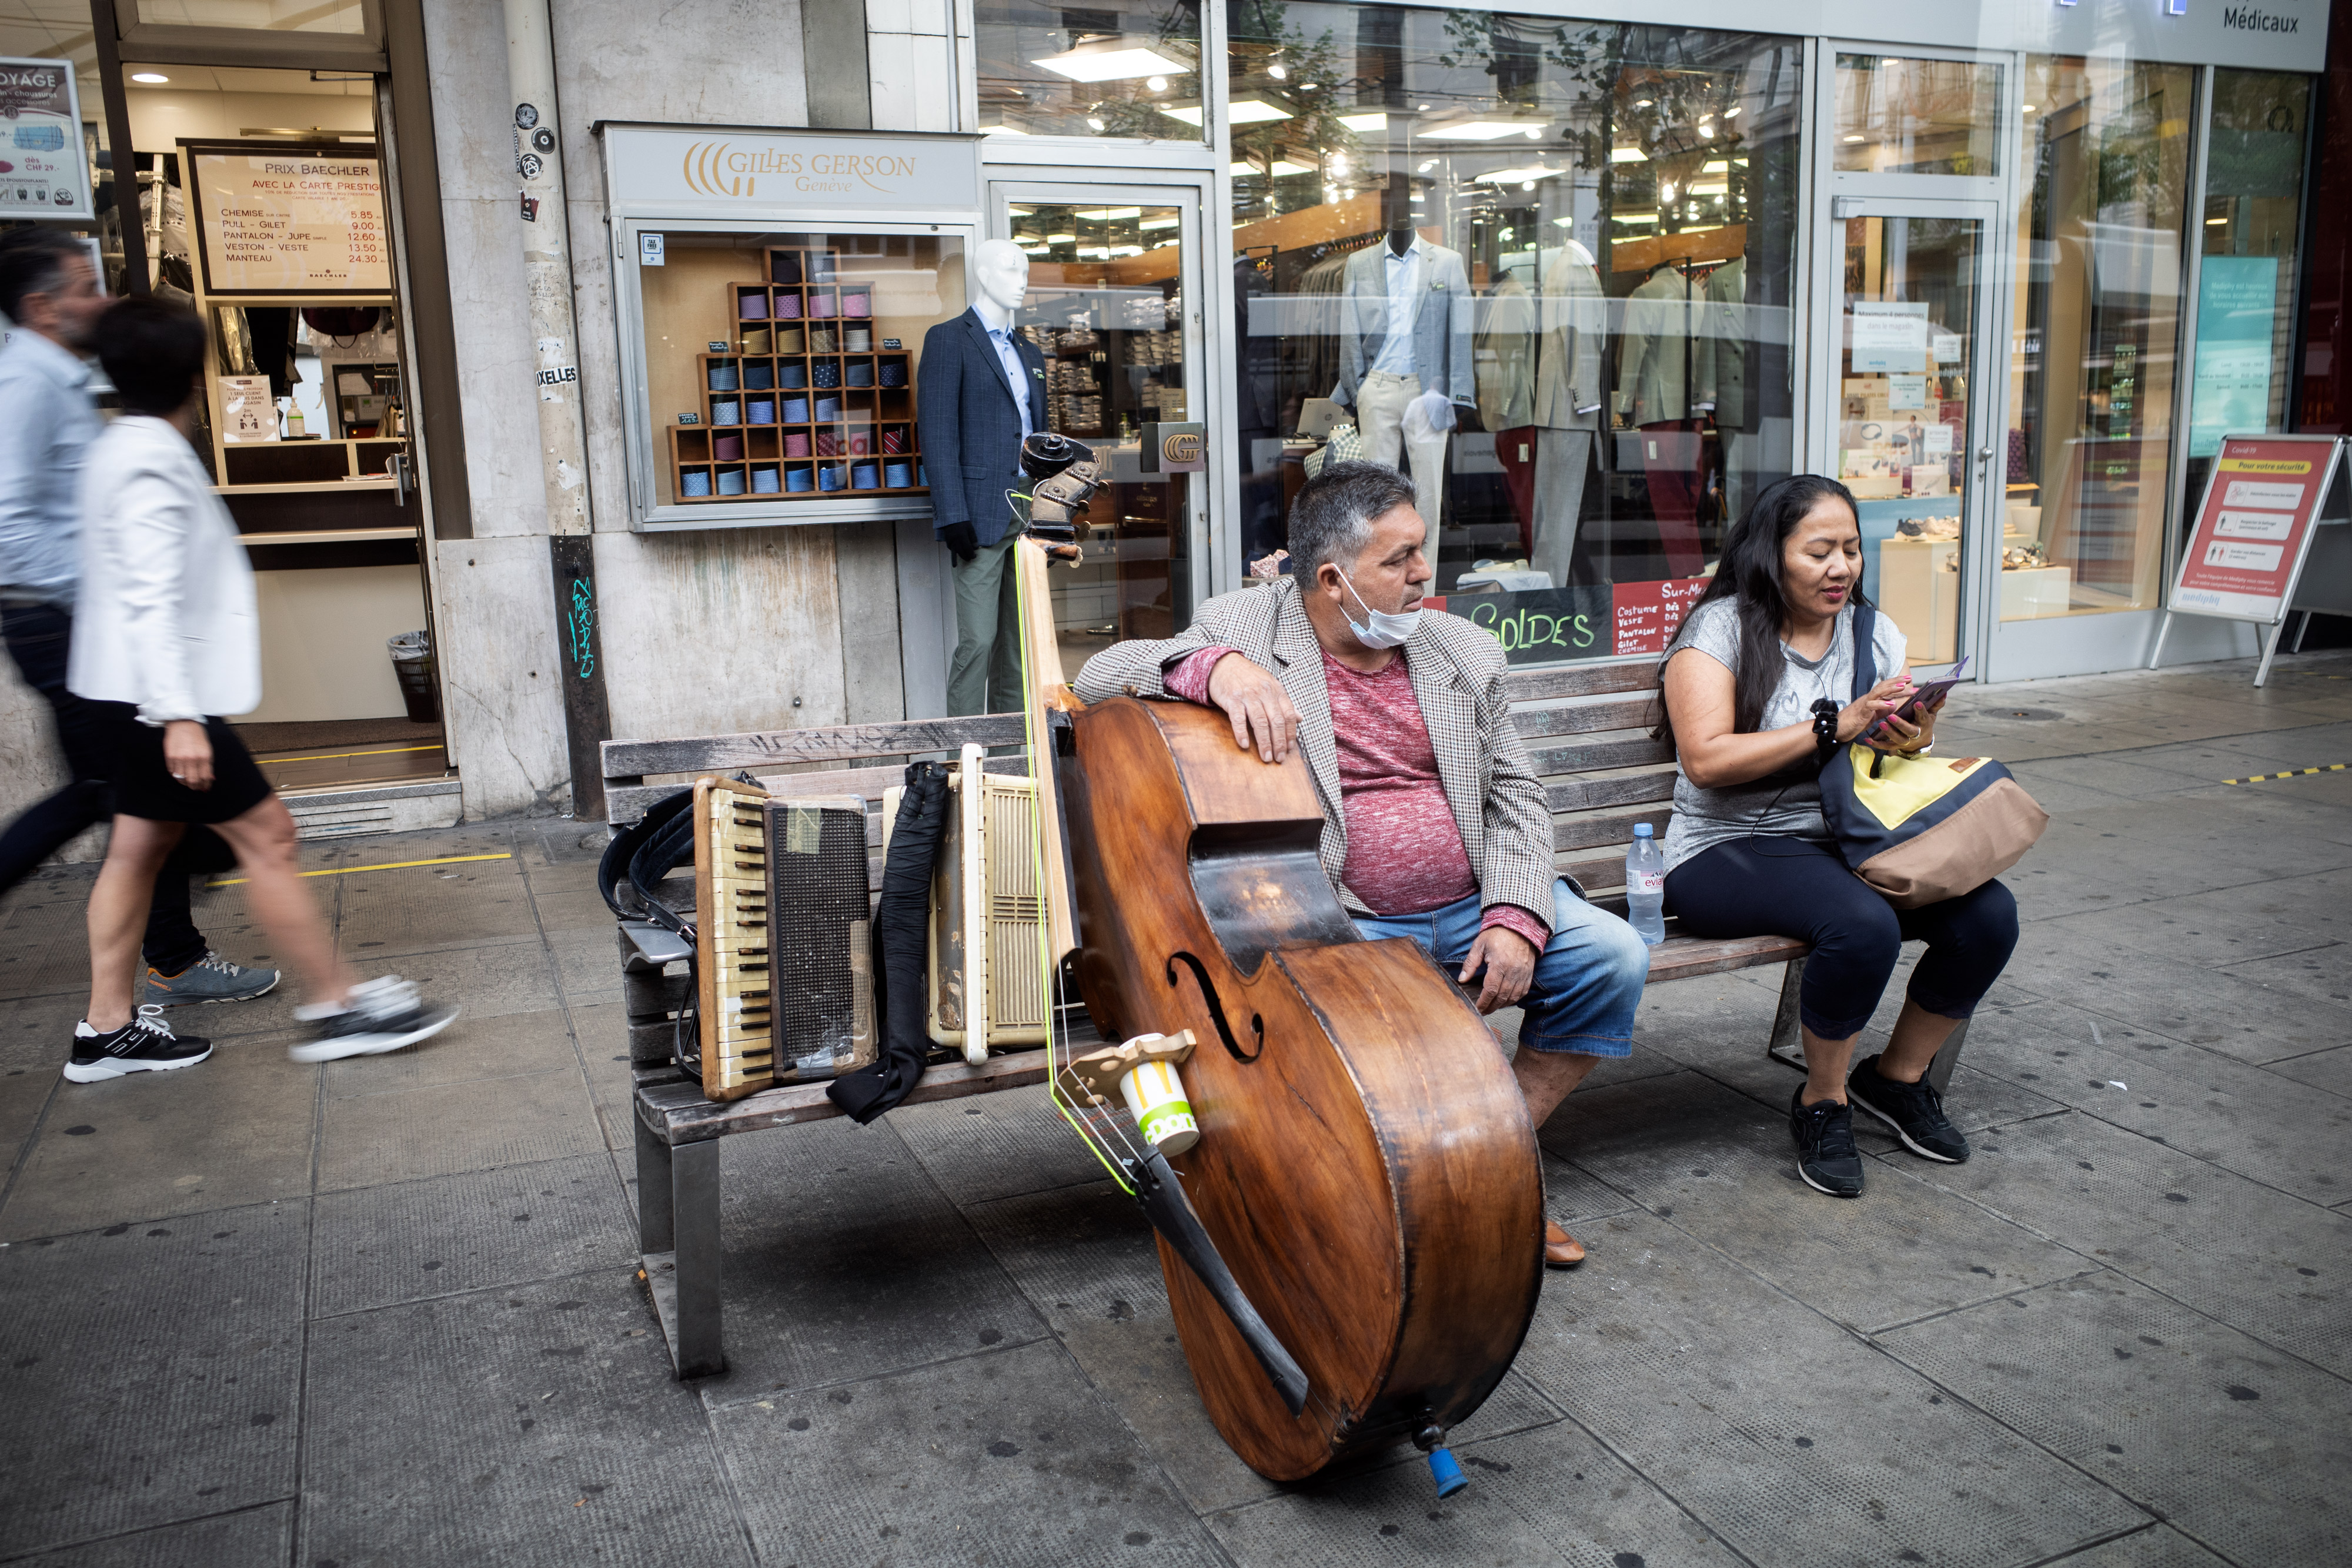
412 664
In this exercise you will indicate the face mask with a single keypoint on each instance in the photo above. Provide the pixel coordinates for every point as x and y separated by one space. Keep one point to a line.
1387 628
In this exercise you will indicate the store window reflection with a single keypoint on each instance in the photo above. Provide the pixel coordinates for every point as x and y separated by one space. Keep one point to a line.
2246 276
1105 310
1916 117
1540 266
2097 339
1114 68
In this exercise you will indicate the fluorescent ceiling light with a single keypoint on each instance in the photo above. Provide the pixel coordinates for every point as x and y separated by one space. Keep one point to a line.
1634 217
1855 136
1107 214
1628 155
152 78
1517 176
1247 112
1149 224
1712 188
1127 250
1093 63
1376 121
1479 131
1719 167
1001 131
2211 222
1061 239
1281 166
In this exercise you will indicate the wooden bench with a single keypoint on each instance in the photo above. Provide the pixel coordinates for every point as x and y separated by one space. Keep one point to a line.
1588 729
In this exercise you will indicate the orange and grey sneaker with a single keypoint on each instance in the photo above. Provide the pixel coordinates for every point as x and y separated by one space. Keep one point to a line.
211 979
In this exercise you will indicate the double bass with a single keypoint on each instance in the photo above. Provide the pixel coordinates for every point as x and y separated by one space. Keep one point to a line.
1352 1248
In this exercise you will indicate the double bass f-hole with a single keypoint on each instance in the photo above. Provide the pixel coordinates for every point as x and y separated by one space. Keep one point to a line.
1217 1010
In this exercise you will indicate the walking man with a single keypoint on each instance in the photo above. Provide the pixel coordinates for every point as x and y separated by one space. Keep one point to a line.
50 289
167 642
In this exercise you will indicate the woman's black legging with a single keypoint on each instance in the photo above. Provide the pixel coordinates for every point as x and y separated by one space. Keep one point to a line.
1789 887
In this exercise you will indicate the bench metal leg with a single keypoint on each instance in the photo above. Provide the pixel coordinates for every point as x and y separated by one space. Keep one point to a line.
677 1227
1940 1072
655 1230
1788 1043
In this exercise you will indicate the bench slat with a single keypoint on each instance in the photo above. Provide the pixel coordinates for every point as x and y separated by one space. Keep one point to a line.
624 803
1582 794
1586 833
1682 957
1584 681
840 743
1600 756
1583 718
677 1113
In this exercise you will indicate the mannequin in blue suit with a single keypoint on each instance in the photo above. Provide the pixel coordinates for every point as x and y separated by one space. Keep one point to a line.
971 422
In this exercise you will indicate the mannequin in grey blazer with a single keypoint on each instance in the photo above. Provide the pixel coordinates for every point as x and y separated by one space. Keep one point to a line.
1441 323
1567 405
969 427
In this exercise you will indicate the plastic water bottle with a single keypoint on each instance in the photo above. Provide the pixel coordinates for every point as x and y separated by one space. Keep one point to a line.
1645 885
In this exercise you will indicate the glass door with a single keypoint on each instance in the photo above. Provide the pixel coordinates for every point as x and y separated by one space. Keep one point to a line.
1909 411
1114 307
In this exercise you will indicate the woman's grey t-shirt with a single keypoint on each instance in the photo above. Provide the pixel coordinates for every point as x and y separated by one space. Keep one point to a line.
1789 802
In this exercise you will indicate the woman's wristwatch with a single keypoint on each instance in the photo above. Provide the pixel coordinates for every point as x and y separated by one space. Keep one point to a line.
1825 728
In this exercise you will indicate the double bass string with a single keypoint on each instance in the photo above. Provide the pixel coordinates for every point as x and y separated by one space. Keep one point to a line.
1087 1121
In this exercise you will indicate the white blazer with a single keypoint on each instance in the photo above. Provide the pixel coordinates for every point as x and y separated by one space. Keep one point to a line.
165 617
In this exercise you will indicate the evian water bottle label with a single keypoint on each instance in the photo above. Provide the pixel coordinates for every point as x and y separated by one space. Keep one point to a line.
1643 883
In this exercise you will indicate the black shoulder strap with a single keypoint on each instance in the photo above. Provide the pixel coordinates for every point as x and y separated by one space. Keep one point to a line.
1866 650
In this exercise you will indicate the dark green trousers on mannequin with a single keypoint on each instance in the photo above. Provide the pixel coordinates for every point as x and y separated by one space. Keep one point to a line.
984 676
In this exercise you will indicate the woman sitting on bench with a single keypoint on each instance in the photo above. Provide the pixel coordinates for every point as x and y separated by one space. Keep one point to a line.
1749 853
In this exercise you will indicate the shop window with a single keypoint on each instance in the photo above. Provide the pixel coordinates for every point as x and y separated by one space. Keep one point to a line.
271 15
1599 222
2246 276
2097 342
1115 68
780 369
1105 309
1916 117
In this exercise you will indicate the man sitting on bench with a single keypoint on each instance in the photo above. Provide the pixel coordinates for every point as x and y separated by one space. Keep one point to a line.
1434 825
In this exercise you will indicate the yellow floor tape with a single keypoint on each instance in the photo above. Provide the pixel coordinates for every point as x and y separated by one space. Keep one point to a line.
2290 773
388 865
339 755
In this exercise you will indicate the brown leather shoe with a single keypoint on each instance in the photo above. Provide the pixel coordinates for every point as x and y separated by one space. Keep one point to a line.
1561 1250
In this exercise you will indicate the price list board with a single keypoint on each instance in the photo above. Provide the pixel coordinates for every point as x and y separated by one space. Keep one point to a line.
285 220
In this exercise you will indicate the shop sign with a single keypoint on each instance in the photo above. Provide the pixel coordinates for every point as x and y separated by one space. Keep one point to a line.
2252 529
303 220
2237 314
44 170
705 168
1598 621
1173 449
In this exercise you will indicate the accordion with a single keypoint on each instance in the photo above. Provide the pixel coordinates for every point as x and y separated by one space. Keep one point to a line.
782 955
985 984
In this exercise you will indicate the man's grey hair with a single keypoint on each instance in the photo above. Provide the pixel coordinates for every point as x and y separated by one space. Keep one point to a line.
34 261
1332 518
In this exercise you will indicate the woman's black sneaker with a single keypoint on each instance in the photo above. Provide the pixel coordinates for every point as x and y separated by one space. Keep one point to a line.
1914 1112
1826 1156
145 1044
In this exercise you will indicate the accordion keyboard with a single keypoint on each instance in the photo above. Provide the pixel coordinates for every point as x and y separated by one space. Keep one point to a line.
730 879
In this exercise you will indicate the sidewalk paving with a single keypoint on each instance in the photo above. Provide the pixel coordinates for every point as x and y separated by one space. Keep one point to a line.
384 1312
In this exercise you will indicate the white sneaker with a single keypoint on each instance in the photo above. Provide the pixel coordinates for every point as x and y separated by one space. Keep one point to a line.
384 1014
145 1044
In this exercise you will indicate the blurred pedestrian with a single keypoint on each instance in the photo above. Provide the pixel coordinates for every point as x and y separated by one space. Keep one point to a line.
167 640
50 290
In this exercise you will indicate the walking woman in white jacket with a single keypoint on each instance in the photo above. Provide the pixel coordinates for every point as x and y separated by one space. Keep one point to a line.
165 641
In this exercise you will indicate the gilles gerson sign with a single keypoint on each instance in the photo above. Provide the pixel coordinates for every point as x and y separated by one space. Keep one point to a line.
719 170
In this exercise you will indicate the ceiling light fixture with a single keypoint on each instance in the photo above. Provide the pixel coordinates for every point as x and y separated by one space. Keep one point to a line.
1156 84
2029 108
1248 111
1278 71
1112 59
1282 166
1061 239
1094 121
1479 130
1642 102
1150 225
1628 155
152 78
1426 165
1731 113
1854 136
1360 123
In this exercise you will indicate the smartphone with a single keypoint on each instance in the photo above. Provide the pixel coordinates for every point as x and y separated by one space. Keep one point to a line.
1931 693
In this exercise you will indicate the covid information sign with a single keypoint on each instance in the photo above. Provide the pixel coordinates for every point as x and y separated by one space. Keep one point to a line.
44 168
2254 526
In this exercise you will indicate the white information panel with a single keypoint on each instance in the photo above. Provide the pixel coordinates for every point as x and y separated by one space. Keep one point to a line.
44 168
294 220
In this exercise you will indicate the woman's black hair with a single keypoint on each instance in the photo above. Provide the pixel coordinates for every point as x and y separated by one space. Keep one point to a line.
1749 576
153 350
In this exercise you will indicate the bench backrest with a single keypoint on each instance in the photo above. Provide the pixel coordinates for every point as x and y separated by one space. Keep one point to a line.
1588 728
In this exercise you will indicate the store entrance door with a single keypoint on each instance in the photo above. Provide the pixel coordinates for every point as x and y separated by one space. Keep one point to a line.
1910 411
1114 306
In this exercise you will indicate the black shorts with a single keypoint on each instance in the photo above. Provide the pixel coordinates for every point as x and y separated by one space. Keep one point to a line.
143 786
